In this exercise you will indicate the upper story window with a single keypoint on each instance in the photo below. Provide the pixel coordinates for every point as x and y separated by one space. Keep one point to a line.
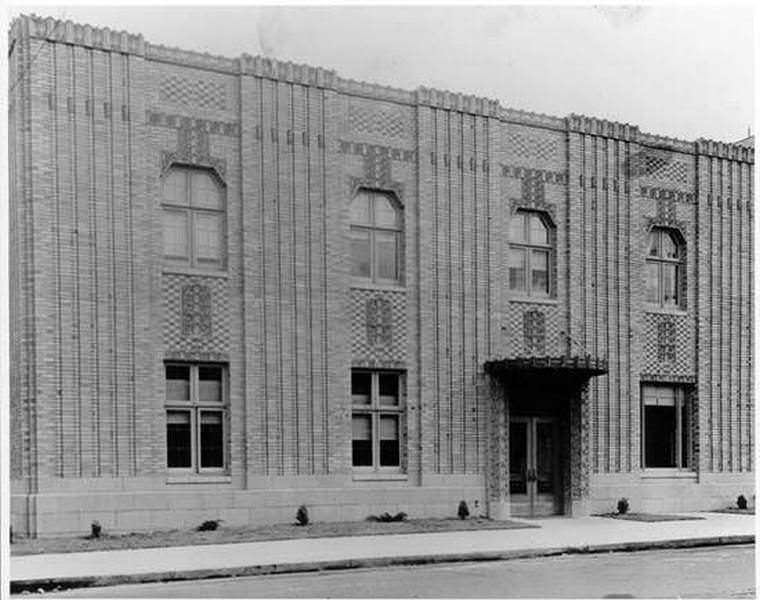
530 250
193 217
664 268
377 229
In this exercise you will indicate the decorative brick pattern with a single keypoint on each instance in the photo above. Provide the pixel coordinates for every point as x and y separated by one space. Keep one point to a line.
378 328
193 92
666 340
533 148
580 444
657 193
668 344
544 324
196 317
556 177
387 122
379 322
376 164
534 332
196 311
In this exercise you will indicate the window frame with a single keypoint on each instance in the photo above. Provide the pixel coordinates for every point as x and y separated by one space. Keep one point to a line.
375 410
661 261
684 457
195 406
373 229
528 247
191 212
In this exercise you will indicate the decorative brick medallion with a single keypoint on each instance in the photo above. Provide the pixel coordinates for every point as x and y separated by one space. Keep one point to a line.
534 330
379 322
196 311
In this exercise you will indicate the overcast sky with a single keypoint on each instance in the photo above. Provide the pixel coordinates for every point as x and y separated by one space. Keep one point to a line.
684 71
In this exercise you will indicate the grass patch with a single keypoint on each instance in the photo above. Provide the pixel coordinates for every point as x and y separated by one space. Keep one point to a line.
732 510
649 517
234 535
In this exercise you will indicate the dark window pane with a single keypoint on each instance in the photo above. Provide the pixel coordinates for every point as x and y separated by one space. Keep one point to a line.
360 253
362 440
177 383
210 384
389 441
361 387
388 389
517 269
178 439
212 439
652 285
518 456
660 436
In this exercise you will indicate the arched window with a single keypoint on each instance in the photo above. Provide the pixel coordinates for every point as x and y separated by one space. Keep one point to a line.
530 251
193 216
664 267
377 228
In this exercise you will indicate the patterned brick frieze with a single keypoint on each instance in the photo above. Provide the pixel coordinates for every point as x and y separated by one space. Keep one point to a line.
192 142
658 193
388 122
533 147
376 164
556 177
193 92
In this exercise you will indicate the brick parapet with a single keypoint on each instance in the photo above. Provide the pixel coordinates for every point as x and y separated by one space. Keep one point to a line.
55 30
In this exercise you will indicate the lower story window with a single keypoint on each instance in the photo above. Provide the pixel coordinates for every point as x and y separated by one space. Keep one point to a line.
196 416
377 420
665 427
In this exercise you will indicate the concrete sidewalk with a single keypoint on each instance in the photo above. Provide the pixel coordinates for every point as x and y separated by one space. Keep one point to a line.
554 536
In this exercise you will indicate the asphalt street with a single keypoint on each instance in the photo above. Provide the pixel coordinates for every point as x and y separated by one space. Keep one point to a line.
715 572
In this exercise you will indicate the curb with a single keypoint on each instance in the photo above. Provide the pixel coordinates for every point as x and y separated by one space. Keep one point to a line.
48 584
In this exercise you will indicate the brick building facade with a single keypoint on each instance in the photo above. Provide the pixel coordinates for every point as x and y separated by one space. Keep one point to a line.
241 285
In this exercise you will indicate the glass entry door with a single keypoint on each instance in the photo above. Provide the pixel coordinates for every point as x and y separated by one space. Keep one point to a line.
533 472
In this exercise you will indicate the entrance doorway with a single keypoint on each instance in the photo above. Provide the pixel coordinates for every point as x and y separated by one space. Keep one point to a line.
534 485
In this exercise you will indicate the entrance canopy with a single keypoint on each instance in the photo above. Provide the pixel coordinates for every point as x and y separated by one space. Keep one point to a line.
551 368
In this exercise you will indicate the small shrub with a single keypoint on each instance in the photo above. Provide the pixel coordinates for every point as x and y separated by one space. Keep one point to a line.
741 502
95 530
463 511
210 525
11 537
388 518
302 515
622 506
